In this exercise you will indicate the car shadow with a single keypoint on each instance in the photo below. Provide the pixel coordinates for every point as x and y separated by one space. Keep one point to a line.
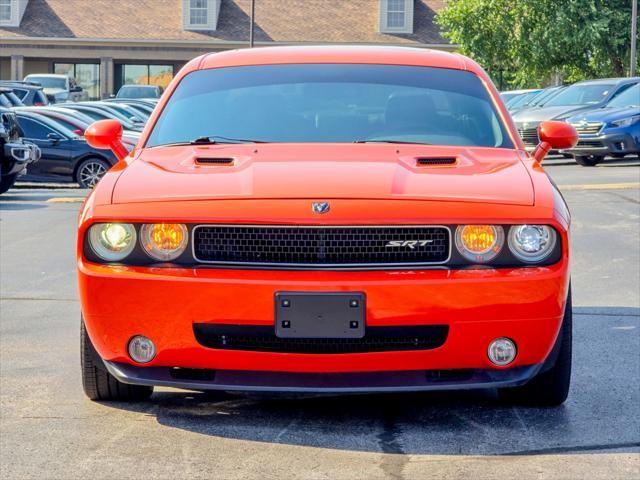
600 414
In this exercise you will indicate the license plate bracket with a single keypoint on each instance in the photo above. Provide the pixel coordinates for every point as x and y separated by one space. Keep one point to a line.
320 314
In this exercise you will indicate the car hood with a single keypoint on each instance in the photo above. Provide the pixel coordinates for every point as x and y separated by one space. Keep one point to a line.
536 115
53 91
604 115
325 171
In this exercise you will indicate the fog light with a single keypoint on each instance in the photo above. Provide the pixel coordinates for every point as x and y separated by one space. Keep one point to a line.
141 349
502 351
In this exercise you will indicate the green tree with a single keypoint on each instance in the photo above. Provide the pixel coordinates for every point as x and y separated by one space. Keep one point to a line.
526 43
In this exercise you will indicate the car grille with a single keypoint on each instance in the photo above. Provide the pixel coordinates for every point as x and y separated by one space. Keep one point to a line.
529 135
589 144
318 247
263 339
587 129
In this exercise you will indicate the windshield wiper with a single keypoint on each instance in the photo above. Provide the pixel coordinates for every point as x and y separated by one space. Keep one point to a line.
390 141
218 140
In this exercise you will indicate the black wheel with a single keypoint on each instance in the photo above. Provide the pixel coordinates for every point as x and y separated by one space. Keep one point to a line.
549 388
7 181
588 160
98 383
90 171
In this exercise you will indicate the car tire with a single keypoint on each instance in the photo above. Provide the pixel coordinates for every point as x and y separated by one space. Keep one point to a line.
90 171
98 383
549 388
588 160
7 181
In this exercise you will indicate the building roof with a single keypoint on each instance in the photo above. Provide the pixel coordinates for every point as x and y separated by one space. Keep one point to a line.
279 21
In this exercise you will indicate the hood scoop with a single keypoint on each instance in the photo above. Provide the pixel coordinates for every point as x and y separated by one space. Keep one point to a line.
214 161
435 161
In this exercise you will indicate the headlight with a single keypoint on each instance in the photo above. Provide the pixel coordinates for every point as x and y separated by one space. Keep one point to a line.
532 243
625 122
164 241
112 241
479 243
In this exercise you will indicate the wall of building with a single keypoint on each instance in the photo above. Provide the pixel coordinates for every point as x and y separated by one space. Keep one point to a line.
5 68
33 65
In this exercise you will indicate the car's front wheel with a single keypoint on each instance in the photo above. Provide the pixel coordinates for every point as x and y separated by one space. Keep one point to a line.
98 383
7 181
549 388
90 171
589 160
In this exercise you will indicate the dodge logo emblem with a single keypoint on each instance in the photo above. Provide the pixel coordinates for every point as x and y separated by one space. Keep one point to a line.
320 207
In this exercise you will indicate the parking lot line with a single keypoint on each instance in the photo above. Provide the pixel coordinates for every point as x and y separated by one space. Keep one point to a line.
66 200
602 186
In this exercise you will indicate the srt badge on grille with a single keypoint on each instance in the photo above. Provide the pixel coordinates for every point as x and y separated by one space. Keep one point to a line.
408 243
320 207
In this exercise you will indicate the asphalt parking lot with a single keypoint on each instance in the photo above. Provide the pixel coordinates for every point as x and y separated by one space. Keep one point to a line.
50 430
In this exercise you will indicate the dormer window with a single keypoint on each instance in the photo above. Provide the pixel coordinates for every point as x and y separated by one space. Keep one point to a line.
396 16
200 14
5 11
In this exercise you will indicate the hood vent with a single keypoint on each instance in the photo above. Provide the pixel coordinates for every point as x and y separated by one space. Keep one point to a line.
214 161
430 161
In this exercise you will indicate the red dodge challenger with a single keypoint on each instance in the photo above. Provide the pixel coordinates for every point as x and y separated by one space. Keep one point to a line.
327 219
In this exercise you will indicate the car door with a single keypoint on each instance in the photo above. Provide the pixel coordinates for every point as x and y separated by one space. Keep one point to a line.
56 153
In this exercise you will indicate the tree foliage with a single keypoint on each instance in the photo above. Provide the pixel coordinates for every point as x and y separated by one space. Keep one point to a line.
525 43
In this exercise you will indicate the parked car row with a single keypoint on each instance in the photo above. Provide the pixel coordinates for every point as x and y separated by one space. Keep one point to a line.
605 112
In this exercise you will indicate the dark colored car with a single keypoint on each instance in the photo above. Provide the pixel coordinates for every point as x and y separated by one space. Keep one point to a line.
578 98
9 99
78 123
29 93
63 152
612 130
139 91
15 154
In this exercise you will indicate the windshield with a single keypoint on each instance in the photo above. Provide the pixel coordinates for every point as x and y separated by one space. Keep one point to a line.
524 99
581 94
49 82
137 92
332 103
629 98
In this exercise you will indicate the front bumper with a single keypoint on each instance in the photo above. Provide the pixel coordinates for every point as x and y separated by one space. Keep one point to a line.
350 382
605 144
478 305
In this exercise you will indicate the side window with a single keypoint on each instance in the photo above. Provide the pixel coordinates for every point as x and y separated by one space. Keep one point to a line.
32 129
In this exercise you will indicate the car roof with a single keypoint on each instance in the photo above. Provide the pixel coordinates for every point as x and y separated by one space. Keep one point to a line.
608 81
335 54
49 75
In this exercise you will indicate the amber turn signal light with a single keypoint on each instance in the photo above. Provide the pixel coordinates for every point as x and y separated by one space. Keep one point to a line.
164 241
479 243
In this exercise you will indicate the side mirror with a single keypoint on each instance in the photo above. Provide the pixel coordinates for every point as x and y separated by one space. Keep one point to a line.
54 138
554 136
107 134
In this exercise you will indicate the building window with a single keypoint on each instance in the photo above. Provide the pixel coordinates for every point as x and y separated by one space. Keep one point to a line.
198 12
396 16
395 13
86 75
5 11
129 74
